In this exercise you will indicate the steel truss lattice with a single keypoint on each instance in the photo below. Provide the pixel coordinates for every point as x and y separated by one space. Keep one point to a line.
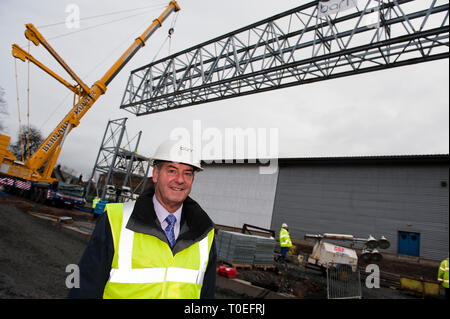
293 48
118 162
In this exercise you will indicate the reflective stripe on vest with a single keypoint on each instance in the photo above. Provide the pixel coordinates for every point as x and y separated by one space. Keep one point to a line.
285 240
443 273
155 281
444 265
95 201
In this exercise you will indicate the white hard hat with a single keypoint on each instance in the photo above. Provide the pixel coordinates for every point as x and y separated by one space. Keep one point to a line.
284 225
178 152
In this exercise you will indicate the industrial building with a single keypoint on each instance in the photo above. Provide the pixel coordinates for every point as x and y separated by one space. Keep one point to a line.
404 198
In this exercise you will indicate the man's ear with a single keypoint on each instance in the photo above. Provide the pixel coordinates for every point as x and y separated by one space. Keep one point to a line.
155 174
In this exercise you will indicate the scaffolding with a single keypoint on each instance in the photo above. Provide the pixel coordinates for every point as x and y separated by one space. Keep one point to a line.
118 165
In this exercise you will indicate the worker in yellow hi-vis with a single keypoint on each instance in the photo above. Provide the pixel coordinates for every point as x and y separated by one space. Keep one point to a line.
161 246
443 275
285 242
95 201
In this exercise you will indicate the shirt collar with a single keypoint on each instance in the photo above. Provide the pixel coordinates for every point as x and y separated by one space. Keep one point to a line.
162 213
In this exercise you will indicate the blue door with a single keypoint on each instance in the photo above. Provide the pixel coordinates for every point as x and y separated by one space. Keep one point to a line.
408 243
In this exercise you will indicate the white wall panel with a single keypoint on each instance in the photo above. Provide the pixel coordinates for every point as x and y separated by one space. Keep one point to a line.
236 194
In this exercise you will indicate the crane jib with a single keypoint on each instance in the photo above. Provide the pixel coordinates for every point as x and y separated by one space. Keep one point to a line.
60 132
49 150
55 137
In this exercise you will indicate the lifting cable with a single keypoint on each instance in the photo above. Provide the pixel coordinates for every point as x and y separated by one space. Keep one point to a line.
96 26
169 37
146 10
172 30
154 7
18 108
28 104
21 138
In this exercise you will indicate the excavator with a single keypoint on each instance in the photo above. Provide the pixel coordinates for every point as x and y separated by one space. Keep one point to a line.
34 176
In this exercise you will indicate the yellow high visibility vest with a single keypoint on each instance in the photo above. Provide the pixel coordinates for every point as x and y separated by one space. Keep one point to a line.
143 266
443 273
95 201
285 239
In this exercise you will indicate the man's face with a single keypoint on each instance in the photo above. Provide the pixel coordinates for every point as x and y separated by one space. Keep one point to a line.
173 182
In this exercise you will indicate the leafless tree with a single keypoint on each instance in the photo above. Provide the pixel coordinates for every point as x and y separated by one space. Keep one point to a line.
35 141
3 109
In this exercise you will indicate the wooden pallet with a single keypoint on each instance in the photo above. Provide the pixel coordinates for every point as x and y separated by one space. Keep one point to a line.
237 266
264 267
249 267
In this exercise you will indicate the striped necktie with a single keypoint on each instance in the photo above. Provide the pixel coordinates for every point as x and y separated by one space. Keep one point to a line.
170 219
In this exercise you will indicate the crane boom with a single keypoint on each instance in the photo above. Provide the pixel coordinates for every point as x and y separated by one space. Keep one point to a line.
32 34
50 149
20 53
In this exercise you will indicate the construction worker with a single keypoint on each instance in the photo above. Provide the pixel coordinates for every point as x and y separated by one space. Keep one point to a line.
95 201
443 275
285 241
161 246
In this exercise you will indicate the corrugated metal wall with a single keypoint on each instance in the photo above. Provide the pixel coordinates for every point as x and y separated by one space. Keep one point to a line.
362 199
236 194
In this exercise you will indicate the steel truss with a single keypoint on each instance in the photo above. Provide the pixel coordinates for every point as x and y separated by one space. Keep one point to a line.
293 48
118 162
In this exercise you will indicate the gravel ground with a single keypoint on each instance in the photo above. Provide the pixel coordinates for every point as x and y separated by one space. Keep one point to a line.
34 255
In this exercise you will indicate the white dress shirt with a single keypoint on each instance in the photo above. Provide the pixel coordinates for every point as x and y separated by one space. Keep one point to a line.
162 213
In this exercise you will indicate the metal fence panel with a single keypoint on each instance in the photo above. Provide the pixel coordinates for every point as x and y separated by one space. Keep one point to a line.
343 283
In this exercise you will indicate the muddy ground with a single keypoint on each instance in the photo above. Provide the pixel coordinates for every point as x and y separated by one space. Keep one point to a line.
34 254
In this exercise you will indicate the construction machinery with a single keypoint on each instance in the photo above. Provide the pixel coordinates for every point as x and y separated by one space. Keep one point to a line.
34 176
62 193
125 194
111 192
326 254
341 263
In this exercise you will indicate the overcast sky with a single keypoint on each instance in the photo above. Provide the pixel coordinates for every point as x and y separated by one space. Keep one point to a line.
391 112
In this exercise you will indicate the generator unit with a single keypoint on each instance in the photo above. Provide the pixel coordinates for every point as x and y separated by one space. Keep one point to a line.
326 254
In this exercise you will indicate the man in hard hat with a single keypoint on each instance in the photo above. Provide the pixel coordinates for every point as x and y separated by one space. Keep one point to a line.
161 246
285 241
443 275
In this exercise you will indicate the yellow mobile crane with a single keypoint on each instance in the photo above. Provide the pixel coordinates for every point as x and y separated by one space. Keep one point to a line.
32 175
